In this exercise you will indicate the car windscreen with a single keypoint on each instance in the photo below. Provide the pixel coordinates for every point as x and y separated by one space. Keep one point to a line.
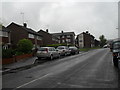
60 48
116 45
73 48
42 49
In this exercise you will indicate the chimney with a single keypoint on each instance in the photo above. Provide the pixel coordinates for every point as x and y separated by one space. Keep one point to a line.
61 31
25 24
46 30
87 32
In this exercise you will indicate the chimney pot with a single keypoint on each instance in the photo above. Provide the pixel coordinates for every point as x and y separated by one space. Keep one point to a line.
87 32
25 24
46 30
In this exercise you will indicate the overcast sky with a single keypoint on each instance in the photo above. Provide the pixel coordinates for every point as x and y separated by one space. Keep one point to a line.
94 16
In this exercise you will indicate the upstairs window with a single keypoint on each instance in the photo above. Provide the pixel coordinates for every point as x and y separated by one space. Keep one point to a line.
68 36
39 38
3 34
80 41
30 35
53 39
58 37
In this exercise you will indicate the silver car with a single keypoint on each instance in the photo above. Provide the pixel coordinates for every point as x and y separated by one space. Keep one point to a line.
47 52
64 50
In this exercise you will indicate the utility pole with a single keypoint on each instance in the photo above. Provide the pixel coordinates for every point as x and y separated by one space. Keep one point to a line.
118 33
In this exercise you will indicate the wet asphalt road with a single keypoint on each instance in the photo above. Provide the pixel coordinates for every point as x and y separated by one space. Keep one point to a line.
93 69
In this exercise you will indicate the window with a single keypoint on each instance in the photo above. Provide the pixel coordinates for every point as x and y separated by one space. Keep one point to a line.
51 49
80 36
4 34
80 40
53 39
59 41
63 41
39 38
68 40
30 35
58 37
68 36
63 36
116 45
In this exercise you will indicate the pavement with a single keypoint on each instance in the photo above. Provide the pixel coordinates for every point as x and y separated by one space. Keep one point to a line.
17 65
20 64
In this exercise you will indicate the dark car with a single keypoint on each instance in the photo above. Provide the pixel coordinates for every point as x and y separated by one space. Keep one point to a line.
115 48
74 50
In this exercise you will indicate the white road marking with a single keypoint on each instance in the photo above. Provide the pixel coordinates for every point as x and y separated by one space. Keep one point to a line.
33 80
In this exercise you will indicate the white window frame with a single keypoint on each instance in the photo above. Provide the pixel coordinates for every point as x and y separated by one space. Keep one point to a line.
63 41
3 34
69 40
31 35
68 36
39 38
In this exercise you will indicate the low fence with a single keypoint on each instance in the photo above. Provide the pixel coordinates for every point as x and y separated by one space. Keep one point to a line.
15 59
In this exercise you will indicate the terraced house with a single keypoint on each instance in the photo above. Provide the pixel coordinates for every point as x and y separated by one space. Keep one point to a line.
85 40
65 37
48 38
19 32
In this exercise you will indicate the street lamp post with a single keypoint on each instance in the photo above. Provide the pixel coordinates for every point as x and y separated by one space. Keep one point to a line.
118 33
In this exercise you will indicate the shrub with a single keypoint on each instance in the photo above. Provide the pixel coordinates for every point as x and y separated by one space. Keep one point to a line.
18 53
7 53
24 46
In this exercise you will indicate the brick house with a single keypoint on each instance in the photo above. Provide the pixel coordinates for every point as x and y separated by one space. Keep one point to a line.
97 43
48 38
65 37
85 40
19 32
5 37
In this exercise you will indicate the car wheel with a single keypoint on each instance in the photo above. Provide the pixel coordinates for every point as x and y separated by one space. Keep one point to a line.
65 54
39 58
59 55
115 62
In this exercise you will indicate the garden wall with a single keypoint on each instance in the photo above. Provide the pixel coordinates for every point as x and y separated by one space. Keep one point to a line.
15 59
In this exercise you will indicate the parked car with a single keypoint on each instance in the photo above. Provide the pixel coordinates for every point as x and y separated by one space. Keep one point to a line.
47 52
74 50
64 50
116 52
106 46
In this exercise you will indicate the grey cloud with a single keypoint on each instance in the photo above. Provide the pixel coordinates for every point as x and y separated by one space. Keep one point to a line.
98 18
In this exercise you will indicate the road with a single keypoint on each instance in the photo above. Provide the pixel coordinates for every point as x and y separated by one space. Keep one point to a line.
93 69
